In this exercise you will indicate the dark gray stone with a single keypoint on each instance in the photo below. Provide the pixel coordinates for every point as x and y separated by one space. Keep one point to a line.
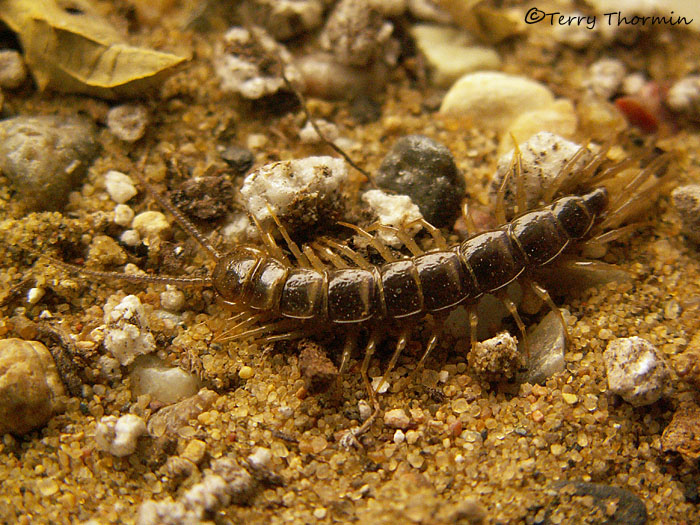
629 508
424 170
45 157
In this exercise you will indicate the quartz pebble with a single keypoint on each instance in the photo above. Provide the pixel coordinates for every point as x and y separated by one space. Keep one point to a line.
168 420
497 358
684 97
163 383
686 200
542 157
636 370
119 436
123 215
450 53
46 157
285 19
547 344
126 332
128 122
12 70
325 78
299 192
493 100
396 418
605 77
424 170
392 210
242 68
29 386
119 186
172 299
355 33
151 225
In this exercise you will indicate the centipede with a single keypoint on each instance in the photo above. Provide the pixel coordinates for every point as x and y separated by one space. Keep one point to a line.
291 291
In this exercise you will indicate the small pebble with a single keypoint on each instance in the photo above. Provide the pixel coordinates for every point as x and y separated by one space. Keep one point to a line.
605 77
615 505
636 370
684 97
34 295
123 215
542 156
172 299
355 33
204 198
686 200
12 70
285 19
396 418
128 122
493 99
170 419
392 210
119 436
682 435
240 63
246 372
450 53
166 384
300 192
364 409
547 346
317 369
119 186
126 333
325 78
238 157
497 358
130 238
151 225
559 118
424 170
106 251
399 436
308 134
195 451
46 157
30 386
576 36
260 458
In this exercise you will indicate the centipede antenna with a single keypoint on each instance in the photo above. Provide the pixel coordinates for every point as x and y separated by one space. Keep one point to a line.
307 114
132 278
183 221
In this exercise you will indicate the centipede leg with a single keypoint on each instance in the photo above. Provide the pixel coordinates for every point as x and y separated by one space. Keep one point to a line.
303 261
473 325
348 347
510 305
400 346
435 331
543 294
350 438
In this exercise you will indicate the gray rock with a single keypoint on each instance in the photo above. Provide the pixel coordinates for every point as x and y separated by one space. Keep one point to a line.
547 344
45 157
29 386
629 508
424 170
239 158
128 122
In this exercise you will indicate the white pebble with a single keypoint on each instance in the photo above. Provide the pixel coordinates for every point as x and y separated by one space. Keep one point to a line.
605 77
450 53
109 368
303 188
399 437
543 156
126 334
636 370
150 224
396 418
172 299
443 376
684 97
119 186
34 295
492 99
260 458
308 134
12 70
130 238
119 436
123 215
392 210
634 83
237 64
576 36
128 122
380 385
163 383
364 409
686 200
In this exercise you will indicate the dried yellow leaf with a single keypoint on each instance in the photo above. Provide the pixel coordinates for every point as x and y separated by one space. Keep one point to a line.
69 47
